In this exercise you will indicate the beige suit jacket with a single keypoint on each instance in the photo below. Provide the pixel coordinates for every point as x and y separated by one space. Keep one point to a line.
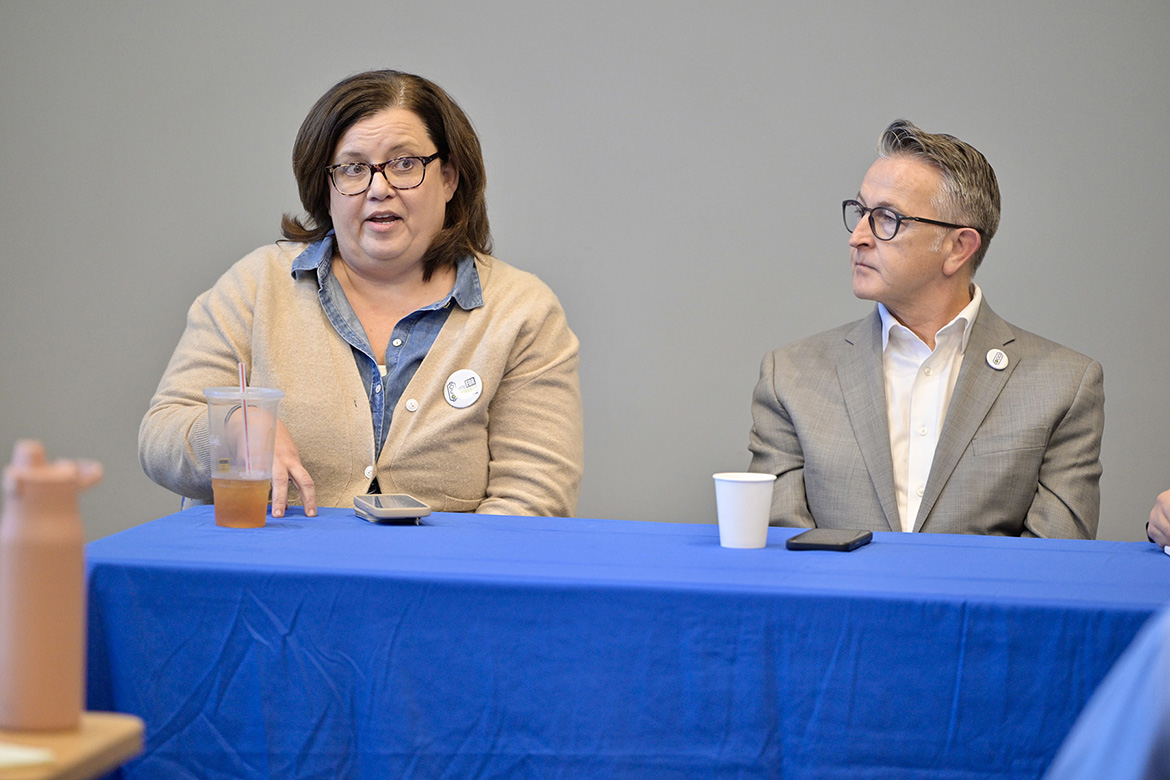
1018 455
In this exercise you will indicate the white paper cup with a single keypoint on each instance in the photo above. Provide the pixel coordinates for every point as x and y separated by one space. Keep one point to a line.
744 504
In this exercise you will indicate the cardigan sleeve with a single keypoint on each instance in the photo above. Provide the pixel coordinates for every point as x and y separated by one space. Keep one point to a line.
535 430
173 437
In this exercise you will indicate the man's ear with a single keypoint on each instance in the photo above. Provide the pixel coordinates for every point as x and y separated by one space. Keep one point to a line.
965 244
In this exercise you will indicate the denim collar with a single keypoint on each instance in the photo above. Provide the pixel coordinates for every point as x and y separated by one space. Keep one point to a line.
467 292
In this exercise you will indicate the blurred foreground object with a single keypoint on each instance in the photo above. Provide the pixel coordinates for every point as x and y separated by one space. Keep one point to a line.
1124 731
42 590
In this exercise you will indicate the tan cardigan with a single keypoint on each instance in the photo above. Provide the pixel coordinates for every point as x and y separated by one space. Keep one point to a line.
517 450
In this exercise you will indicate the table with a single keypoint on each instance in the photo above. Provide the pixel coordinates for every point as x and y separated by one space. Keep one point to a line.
508 647
102 742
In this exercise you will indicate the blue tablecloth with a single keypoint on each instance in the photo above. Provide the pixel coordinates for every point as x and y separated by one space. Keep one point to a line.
507 647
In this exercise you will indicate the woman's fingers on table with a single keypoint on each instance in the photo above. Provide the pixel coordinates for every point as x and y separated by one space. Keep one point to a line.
287 467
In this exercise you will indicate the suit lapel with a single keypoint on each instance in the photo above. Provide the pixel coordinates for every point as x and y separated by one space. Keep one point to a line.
976 389
859 370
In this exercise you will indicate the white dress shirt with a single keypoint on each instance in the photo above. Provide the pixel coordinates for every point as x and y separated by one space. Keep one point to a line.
919 384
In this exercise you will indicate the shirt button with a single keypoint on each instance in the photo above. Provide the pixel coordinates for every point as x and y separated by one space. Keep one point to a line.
397 342
920 492
922 431
928 371
369 472
412 405
378 388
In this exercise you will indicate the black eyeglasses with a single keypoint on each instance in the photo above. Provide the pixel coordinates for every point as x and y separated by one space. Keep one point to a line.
884 222
402 173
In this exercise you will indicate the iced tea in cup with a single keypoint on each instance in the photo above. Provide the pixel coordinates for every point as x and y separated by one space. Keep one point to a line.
242 429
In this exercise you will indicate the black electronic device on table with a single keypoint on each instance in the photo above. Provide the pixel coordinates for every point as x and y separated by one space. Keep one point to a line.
839 539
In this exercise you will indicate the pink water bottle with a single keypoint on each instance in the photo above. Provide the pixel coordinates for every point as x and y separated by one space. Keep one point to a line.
42 591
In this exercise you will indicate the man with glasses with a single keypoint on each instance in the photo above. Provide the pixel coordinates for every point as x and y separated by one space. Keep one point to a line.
932 414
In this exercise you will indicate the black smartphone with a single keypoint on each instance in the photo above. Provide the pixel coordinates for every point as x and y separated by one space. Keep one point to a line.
840 539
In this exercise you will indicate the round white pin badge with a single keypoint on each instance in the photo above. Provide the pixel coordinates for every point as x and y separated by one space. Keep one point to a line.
997 359
463 388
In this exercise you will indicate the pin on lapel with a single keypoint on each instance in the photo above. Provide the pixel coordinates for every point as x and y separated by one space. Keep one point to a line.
997 359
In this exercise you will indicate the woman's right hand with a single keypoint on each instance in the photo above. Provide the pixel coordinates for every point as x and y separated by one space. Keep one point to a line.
286 466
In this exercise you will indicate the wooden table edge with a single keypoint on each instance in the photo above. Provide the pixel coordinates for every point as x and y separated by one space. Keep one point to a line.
102 743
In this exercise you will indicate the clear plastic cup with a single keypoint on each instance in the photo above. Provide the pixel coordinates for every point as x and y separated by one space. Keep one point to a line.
241 457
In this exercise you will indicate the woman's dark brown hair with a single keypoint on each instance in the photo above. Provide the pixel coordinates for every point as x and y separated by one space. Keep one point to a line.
465 227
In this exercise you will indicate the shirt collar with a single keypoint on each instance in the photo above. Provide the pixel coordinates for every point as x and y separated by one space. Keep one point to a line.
962 321
317 256
466 292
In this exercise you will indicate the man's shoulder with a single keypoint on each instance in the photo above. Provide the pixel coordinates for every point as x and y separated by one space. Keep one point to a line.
1025 343
830 341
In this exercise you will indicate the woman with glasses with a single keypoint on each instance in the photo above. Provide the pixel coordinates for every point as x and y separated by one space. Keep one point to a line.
412 361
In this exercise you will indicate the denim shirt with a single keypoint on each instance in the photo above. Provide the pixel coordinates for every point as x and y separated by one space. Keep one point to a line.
410 341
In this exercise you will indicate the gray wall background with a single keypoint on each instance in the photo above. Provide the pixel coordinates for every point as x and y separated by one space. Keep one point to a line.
672 170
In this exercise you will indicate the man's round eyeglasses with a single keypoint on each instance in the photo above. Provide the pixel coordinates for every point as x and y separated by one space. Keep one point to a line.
884 222
402 173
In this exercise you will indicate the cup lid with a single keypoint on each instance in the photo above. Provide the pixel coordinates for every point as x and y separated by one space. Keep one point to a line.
234 394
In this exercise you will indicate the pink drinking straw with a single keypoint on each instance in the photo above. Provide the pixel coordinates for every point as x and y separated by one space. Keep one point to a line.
244 409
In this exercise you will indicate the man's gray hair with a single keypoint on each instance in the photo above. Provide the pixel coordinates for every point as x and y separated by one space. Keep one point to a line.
969 194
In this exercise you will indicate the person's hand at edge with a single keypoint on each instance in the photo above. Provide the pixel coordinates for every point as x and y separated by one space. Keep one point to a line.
1158 529
286 467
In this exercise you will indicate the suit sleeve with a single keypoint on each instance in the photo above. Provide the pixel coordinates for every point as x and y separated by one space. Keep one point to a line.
776 449
1068 493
